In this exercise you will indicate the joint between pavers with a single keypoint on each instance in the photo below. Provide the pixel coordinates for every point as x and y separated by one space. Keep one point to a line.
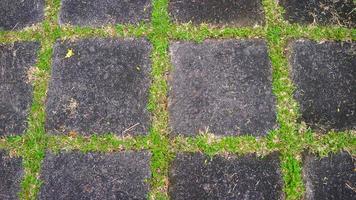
305 31
35 135
103 143
35 138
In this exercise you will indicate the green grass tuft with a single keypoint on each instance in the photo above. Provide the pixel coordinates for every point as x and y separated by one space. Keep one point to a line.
291 139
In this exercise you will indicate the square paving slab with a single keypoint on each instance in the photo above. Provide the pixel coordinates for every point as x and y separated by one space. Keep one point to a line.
99 86
95 176
217 12
17 14
11 174
99 13
195 176
223 87
323 12
332 177
325 78
17 61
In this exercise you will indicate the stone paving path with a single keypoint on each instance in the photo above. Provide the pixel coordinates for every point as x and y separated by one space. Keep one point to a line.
196 176
320 12
324 75
16 15
154 114
95 176
17 61
325 177
11 173
101 88
97 13
216 86
216 12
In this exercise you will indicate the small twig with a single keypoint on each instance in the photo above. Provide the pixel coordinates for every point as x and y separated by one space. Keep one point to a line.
349 186
130 128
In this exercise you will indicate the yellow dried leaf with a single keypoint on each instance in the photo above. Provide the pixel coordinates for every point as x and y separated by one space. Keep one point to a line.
70 53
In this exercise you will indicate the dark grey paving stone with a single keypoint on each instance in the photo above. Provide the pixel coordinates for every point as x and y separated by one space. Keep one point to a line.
331 177
16 14
11 174
217 12
195 176
221 86
323 12
16 61
113 176
325 78
98 13
101 88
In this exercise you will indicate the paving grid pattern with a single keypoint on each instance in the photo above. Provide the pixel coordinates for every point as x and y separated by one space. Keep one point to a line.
290 139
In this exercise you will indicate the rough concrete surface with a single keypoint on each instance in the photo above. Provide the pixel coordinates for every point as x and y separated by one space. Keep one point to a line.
331 177
223 87
325 79
11 174
323 12
195 176
218 12
18 14
99 86
17 62
103 12
111 176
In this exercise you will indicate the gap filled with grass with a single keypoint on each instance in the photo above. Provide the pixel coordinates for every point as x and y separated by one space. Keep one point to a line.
290 139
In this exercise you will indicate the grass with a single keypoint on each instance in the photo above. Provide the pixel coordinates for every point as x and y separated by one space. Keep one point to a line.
291 139
188 32
157 101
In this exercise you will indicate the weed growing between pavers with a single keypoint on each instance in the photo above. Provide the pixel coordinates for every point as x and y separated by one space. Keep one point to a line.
199 33
211 145
332 142
286 106
34 142
159 143
291 138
